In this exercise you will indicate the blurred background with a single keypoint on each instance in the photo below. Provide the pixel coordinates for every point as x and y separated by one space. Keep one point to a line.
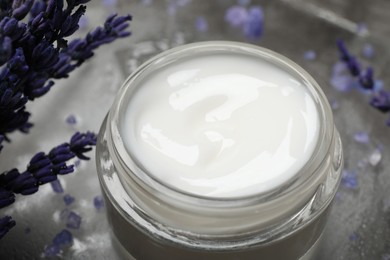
305 31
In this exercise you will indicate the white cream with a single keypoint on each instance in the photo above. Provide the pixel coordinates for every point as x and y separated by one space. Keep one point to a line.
222 125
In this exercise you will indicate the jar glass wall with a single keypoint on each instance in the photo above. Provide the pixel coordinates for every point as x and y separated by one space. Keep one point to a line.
151 219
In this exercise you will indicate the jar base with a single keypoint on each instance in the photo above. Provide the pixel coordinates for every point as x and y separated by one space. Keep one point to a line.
311 254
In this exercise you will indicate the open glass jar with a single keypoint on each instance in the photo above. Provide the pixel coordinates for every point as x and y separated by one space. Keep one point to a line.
154 220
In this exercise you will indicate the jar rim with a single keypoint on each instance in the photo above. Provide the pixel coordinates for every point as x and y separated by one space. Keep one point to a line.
140 175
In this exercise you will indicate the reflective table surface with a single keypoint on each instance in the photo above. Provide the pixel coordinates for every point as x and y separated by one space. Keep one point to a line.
305 31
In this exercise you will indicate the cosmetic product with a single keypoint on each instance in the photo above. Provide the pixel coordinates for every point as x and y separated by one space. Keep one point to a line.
219 150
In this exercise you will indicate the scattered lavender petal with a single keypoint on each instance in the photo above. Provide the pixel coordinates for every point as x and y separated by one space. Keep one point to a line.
361 137
110 3
244 2
378 85
201 24
77 163
236 15
63 238
71 120
342 83
52 250
56 186
368 51
98 202
253 26
310 55
349 179
73 221
68 199
339 68
83 22
375 157
354 236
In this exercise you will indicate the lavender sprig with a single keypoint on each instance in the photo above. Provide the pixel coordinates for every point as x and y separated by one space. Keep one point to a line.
43 168
114 27
34 51
379 99
32 54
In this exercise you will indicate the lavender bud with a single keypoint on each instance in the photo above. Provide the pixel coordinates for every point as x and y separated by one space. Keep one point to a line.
20 12
6 223
6 198
381 101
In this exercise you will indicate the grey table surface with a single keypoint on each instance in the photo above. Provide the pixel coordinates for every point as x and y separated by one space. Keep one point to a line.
359 225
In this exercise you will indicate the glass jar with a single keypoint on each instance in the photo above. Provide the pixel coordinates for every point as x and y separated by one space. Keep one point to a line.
152 220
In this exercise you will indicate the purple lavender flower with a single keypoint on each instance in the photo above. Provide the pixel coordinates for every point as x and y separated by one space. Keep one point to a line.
342 83
71 120
21 9
56 186
83 23
361 137
68 199
6 197
98 202
310 55
253 27
380 98
34 53
2 138
6 223
349 179
5 49
354 66
43 168
236 15
251 20
343 51
368 51
80 50
63 238
381 101
201 24
367 79
73 220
